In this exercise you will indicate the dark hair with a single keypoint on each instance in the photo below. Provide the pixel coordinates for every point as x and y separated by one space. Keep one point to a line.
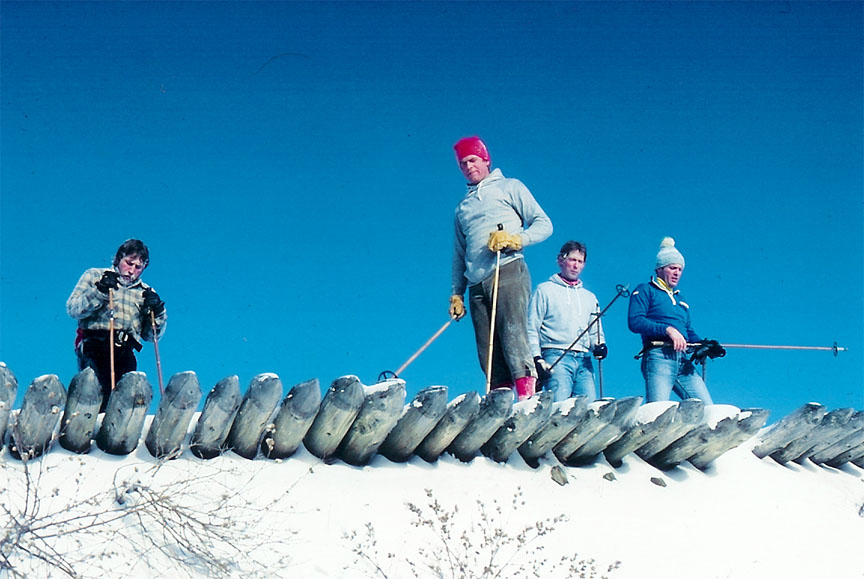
573 246
133 247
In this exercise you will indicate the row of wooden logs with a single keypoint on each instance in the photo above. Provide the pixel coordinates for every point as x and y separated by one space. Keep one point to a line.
353 422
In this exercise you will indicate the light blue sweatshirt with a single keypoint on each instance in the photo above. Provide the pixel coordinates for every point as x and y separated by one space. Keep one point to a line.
493 200
558 313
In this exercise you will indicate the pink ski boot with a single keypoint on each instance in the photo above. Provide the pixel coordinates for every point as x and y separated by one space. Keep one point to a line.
525 387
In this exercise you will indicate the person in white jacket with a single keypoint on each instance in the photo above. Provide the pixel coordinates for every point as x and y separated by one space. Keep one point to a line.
560 310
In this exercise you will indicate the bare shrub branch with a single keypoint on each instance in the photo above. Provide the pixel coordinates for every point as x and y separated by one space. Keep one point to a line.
481 544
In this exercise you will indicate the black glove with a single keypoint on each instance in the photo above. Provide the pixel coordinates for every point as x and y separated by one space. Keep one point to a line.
152 303
544 370
109 280
708 349
600 351
716 350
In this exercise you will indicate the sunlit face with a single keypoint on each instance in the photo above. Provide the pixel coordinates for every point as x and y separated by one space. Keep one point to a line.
474 168
572 265
130 268
671 274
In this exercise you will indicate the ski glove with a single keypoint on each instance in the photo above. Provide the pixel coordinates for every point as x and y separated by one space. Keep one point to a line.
457 307
600 351
500 239
152 303
109 280
708 349
544 369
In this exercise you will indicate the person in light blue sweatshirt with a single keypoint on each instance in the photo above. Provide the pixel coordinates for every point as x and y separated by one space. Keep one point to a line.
560 311
670 345
491 200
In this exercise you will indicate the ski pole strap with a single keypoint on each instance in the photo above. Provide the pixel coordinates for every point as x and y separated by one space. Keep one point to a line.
621 291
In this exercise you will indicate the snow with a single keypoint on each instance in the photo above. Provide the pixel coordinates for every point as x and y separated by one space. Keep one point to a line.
714 413
383 386
565 406
652 410
301 517
527 406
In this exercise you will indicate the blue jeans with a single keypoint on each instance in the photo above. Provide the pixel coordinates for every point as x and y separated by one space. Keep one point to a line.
572 376
666 370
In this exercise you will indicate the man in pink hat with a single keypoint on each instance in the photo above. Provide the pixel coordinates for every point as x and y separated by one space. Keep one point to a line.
491 200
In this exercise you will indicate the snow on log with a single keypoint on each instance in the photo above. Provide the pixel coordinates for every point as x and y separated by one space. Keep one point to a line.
417 421
795 425
40 412
8 391
256 410
651 420
460 411
494 410
377 417
124 416
78 424
688 417
338 410
527 416
171 422
215 420
292 422
566 417
625 413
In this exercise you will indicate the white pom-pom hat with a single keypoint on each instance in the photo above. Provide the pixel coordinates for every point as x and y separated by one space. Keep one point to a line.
668 254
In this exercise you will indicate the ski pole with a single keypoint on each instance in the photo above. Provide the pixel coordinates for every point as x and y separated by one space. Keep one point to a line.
623 291
388 374
111 334
492 322
835 348
156 350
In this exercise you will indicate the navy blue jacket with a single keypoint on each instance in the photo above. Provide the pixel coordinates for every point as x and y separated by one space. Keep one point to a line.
653 308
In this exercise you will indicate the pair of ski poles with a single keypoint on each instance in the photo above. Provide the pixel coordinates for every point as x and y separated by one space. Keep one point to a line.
388 374
111 344
620 291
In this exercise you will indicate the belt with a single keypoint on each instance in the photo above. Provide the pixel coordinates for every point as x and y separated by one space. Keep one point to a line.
122 338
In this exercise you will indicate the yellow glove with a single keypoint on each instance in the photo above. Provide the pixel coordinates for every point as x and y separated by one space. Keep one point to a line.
457 307
499 240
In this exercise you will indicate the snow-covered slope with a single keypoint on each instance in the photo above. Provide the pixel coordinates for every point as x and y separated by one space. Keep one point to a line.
97 515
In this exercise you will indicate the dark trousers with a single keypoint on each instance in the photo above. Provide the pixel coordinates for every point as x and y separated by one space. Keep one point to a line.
94 353
511 357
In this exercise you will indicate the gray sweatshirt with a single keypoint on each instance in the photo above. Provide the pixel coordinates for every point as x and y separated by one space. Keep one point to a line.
493 200
558 313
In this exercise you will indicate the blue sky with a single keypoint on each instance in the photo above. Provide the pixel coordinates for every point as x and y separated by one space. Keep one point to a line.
290 166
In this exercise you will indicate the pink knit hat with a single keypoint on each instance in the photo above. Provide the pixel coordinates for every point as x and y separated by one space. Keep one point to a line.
471 146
